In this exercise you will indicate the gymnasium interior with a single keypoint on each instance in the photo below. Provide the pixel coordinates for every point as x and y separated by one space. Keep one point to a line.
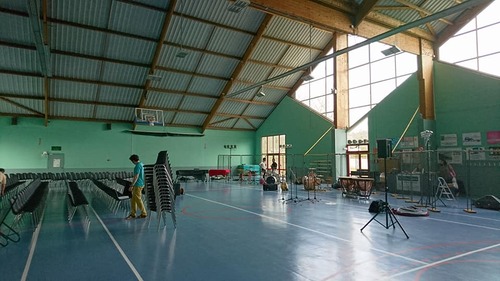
281 139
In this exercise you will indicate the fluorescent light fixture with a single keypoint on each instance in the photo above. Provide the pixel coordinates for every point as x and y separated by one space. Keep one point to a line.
181 54
153 77
307 75
238 5
391 51
261 94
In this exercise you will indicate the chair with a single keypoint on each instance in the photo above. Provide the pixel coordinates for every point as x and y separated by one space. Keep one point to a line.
443 190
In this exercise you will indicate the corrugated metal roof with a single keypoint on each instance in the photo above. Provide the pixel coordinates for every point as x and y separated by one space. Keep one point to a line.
61 89
119 95
192 119
16 29
114 113
223 122
135 19
163 100
206 86
232 107
90 12
19 59
101 52
36 106
21 85
197 104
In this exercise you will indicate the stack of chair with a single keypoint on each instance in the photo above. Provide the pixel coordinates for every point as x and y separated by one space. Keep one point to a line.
160 195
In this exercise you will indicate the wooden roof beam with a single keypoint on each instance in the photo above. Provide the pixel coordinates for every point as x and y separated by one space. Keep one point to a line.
237 70
364 10
159 45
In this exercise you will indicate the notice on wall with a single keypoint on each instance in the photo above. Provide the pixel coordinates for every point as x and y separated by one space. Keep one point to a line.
493 137
476 153
452 156
448 140
471 139
494 152
56 163
409 142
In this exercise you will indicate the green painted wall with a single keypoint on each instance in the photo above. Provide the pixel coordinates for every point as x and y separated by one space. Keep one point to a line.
465 102
391 116
303 129
89 145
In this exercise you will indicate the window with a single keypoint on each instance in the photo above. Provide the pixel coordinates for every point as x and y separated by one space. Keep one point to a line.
475 46
273 147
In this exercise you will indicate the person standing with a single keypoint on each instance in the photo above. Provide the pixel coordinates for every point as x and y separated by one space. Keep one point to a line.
274 166
136 189
263 167
3 181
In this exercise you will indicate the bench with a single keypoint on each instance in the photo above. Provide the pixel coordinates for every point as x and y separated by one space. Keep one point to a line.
218 172
197 174
76 199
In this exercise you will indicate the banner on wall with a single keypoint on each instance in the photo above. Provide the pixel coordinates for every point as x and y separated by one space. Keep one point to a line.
452 156
409 142
476 153
471 139
448 140
493 137
495 152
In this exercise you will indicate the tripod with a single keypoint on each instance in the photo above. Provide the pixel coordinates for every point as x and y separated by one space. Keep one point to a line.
386 208
292 179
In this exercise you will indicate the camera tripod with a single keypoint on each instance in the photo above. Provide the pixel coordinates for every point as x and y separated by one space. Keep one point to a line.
386 208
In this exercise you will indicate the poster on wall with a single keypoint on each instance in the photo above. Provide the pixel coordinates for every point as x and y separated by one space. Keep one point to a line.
409 142
448 140
471 139
493 137
452 156
476 153
495 152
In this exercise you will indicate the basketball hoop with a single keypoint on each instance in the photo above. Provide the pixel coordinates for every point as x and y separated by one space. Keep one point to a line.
151 117
151 120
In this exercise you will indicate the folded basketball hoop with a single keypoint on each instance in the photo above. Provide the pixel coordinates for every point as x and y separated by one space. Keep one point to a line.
151 117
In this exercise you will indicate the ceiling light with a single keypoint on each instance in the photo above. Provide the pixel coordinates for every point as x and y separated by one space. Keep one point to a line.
181 54
307 75
391 51
238 5
153 77
261 94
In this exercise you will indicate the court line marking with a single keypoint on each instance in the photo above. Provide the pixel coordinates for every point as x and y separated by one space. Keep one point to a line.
34 241
466 224
127 260
443 261
304 228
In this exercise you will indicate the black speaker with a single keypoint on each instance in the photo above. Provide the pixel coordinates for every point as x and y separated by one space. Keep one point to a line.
14 120
384 148
488 202
108 126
